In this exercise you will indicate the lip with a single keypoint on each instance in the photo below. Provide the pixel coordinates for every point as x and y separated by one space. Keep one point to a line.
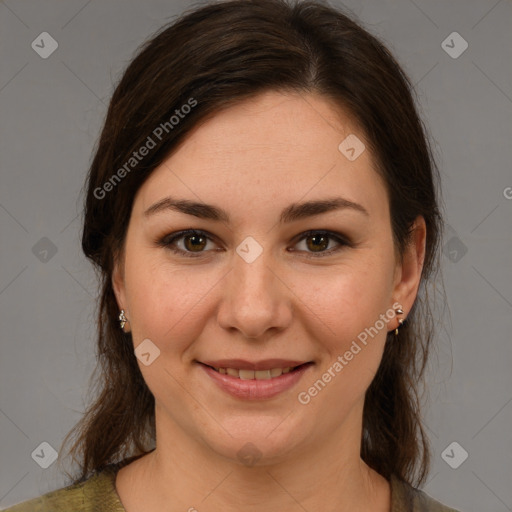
256 389
241 364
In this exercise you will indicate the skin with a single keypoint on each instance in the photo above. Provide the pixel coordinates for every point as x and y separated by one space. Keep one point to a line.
253 160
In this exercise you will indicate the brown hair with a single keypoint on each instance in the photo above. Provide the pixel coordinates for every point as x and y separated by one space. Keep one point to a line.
217 55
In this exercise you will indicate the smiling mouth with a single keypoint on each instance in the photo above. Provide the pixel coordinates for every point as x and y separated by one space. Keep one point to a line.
257 374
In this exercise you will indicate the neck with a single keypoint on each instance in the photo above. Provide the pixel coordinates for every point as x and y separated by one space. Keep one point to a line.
184 475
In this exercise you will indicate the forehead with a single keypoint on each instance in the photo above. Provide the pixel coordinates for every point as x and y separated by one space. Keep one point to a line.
274 124
274 147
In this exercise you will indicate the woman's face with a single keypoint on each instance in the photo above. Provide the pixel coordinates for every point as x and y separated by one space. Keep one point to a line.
254 286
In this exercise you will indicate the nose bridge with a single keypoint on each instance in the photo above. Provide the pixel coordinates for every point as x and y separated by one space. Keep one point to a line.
253 279
253 298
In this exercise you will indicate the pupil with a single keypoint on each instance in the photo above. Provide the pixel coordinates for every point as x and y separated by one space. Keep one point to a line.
321 237
195 244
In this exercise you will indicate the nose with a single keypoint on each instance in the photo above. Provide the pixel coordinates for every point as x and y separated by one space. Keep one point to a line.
255 298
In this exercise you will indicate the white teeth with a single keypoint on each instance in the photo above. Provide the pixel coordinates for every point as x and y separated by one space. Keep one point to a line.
275 372
254 374
246 374
262 374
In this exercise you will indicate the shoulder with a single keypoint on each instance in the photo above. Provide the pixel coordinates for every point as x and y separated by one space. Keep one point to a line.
96 494
405 498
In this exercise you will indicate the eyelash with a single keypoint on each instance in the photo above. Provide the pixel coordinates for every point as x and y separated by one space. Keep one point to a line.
169 240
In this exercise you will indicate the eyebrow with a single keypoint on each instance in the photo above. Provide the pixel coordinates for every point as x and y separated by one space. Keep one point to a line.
294 212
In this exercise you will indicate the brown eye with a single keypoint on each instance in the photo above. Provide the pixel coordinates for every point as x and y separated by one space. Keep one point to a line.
194 243
317 243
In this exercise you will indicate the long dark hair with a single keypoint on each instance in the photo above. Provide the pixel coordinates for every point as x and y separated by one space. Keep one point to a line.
212 57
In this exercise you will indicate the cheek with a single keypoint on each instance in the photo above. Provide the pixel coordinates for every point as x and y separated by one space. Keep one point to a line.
166 303
351 305
166 308
348 300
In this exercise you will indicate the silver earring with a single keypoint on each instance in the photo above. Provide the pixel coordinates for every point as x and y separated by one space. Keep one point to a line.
122 319
399 311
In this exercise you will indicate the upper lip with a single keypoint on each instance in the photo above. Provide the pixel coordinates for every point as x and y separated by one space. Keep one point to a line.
241 364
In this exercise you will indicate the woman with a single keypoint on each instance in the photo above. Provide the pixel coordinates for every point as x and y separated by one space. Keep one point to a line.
262 207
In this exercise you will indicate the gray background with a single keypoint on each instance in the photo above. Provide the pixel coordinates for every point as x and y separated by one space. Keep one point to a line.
51 112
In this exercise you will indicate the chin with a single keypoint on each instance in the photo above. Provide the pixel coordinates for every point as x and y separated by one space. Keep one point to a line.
253 447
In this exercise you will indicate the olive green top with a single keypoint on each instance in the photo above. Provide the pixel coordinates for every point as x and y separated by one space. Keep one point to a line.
98 494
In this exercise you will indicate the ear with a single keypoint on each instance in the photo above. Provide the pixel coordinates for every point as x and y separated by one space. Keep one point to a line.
118 282
408 271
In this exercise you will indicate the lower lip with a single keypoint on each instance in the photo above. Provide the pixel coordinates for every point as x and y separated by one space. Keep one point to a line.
256 389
